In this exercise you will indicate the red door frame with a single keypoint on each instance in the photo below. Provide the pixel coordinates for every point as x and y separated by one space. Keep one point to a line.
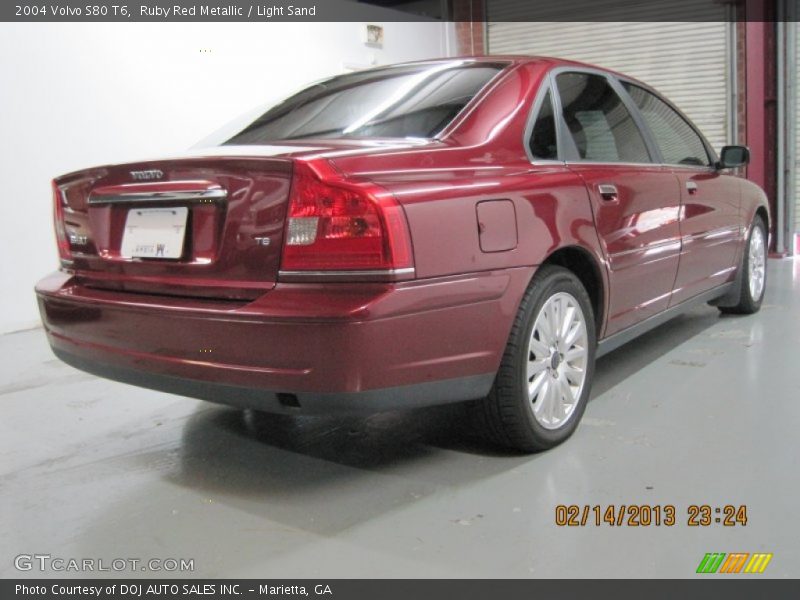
760 99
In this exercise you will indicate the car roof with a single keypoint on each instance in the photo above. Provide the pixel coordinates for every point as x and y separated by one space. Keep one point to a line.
523 59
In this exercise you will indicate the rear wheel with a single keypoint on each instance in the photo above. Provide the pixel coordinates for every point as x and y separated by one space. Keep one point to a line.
753 271
545 376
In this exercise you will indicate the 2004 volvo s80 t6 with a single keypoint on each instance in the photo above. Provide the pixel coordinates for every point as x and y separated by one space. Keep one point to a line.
455 230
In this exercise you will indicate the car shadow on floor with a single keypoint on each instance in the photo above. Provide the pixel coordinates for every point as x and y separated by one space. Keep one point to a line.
234 449
386 438
309 472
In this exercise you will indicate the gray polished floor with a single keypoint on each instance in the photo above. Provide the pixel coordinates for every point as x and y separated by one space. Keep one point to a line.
704 410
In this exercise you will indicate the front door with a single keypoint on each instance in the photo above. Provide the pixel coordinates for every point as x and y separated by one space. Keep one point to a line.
710 231
709 224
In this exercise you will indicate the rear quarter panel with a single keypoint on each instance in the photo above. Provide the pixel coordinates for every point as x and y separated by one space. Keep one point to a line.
551 206
440 185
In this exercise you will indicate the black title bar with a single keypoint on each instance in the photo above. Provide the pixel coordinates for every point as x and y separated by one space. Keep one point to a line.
708 588
386 10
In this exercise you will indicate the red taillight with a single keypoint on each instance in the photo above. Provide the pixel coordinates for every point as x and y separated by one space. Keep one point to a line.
337 225
62 240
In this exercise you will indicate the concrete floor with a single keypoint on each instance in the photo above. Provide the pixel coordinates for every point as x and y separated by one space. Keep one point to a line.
704 410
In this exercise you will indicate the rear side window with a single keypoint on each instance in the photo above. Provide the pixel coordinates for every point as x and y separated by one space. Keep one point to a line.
678 142
395 102
543 137
601 126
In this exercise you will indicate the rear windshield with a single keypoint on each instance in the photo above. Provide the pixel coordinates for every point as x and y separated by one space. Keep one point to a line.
415 101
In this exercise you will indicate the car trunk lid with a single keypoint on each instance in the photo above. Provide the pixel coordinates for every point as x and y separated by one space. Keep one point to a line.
195 226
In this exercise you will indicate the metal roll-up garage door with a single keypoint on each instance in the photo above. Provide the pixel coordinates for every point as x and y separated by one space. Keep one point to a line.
795 129
686 61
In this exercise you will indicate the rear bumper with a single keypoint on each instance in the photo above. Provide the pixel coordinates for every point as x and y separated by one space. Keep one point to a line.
311 348
406 396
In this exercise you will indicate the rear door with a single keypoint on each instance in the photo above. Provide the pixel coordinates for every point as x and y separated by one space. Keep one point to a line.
636 202
710 222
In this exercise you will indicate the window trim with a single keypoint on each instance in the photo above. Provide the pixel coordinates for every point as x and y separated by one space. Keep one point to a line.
544 88
571 156
710 152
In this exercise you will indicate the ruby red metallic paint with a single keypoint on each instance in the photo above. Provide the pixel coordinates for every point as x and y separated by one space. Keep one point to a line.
297 337
255 206
226 316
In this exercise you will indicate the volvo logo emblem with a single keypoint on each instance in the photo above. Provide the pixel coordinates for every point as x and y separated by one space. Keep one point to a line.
148 174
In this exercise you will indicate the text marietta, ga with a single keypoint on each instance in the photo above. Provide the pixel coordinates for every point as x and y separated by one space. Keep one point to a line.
229 10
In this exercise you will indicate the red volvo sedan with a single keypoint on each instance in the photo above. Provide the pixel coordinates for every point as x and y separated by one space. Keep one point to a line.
456 230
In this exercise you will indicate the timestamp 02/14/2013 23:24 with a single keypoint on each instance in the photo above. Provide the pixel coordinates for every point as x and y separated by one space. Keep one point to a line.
647 515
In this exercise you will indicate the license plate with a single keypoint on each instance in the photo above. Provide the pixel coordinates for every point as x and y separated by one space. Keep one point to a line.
154 232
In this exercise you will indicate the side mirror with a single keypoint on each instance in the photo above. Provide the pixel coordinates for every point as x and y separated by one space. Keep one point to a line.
732 157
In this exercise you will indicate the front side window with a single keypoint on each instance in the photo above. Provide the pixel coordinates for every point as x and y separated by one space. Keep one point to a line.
543 144
678 142
415 101
601 127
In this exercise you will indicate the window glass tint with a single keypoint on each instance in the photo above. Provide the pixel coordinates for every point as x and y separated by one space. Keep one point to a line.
678 142
543 137
601 127
395 102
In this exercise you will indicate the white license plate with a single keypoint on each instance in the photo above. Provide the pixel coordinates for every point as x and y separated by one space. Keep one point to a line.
154 232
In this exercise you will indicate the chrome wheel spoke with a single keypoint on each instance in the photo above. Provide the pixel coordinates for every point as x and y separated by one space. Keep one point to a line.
567 325
535 367
540 404
565 400
535 386
557 317
573 334
538 348
545 323
552 400
574 354
573 374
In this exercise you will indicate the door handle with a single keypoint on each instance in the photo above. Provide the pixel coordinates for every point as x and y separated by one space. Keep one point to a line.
608 192
691 187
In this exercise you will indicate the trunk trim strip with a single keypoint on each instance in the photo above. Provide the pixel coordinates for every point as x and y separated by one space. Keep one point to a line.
210 195
377 275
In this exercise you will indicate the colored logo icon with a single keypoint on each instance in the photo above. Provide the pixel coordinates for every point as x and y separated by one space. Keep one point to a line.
735 562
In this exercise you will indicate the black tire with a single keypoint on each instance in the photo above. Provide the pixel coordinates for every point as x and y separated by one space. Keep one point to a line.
747 304
506 415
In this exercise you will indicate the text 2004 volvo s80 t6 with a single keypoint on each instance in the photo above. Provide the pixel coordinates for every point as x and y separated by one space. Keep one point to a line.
456 230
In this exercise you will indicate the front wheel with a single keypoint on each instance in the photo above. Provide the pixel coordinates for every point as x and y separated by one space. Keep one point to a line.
544 380
753 271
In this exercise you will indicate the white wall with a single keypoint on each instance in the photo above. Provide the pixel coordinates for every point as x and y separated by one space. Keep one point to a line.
77 95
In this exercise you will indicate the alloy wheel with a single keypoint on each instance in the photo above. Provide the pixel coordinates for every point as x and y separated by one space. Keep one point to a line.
757 260
557 360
